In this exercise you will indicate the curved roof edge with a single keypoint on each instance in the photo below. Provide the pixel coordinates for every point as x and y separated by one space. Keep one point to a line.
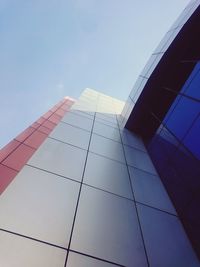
167 70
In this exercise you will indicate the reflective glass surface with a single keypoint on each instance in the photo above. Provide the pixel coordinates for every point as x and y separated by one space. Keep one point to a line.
180 119
192 139
175 150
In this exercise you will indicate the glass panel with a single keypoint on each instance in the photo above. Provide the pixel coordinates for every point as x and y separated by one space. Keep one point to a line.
191 86
182 116
192 139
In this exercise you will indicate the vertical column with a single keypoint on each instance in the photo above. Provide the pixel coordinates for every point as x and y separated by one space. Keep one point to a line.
15 154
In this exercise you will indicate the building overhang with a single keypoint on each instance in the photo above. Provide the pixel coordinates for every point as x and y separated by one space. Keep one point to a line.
167 78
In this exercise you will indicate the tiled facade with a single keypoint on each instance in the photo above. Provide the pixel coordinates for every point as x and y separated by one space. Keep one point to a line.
78 189
15 154
175 150
90 196
163 108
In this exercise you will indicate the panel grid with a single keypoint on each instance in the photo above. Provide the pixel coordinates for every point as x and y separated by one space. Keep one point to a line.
18 151
79 194
109 203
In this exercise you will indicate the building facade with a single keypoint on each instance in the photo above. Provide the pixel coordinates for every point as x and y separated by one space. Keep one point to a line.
101 183
164 109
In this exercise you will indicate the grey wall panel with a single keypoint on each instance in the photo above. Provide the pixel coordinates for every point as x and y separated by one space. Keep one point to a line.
106 227
60 158
40 205
106 147
106 131
166 242
148 189
17 251
77 260
139 159
71 135
79 121
108 175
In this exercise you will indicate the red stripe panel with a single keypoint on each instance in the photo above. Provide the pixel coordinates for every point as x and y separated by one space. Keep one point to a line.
48 124
60 112
35 125
44 129
18 158
21 137
66 106
6 176
6 150
41 120
36 139
47 114
15 155
55 118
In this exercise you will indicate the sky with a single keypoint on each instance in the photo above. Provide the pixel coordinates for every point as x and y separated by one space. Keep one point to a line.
55 48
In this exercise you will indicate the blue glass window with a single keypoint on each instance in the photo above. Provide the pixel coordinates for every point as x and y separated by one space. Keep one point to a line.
182 117
192 85
192 139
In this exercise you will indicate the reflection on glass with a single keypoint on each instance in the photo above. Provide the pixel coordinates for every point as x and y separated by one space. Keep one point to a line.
192 139
175 150
182 117
191 87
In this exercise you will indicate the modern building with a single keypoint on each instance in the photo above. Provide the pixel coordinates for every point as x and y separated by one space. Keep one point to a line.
164 109
101 183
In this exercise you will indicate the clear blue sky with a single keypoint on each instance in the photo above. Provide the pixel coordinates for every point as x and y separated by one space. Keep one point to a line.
53 48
